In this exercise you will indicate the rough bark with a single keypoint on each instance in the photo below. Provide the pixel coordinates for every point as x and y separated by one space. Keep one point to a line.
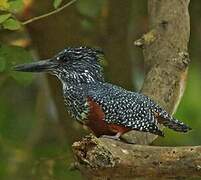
166 62
165 49
106 159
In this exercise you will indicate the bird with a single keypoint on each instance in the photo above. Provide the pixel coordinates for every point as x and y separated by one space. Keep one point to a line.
106 109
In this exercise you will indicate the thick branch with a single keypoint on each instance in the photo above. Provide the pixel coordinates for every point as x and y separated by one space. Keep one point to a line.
106 159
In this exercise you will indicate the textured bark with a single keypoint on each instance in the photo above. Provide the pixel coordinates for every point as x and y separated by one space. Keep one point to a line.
106 159
166 62
165 49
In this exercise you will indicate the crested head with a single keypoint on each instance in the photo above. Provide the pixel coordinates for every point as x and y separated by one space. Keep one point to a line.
71 65
79 54
80 64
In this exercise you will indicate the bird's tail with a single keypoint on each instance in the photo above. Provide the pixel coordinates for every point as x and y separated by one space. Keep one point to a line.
172 123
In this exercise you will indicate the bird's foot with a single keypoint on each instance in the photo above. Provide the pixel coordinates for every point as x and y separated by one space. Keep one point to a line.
117 138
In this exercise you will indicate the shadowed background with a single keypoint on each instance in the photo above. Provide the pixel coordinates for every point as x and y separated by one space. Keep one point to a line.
35 131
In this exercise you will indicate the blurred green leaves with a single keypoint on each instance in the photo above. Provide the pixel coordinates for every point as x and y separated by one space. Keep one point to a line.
4 17
11 24
13 6
188 112
8 10
2 64
7 16
16 6
90 8
4 5
57 3
10 56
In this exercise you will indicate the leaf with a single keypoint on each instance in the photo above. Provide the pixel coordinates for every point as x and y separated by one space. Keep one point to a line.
57 3
11 24
4 17
16 55
4 5
16 6
2 64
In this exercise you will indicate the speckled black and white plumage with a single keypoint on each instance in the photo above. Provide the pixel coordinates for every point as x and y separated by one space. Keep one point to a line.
81 75
122 107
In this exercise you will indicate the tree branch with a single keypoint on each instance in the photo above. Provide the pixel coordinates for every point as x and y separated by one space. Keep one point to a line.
48 14
107 159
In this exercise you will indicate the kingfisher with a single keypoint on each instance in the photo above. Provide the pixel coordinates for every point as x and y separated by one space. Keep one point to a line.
106 109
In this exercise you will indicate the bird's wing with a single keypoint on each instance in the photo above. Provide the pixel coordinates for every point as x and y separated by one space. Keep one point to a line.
126 108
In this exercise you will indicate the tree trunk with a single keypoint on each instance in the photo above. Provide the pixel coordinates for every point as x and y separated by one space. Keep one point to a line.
165 49
166 62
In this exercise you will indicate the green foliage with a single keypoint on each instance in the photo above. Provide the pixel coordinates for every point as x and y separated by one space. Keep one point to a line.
9 9
87 25
2 64
10 56
188 112
4 5
57 3
90 8
8 19
4 17
16 6
11 24
13 127
13 6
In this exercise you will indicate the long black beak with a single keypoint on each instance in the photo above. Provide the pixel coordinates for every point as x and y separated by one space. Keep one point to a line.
39 66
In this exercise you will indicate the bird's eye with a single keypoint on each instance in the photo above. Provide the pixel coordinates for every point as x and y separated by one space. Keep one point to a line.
62 58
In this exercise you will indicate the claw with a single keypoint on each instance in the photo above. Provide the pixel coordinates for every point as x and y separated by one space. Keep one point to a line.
118 137
115 137
111 137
